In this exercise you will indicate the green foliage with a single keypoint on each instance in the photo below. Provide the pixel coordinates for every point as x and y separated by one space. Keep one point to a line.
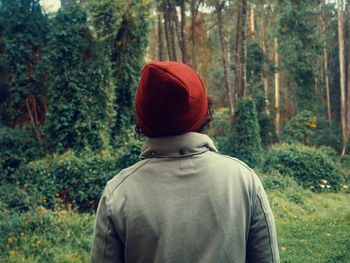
77 96
23 37
123 29
275 180
76 179
243 142
221 123
301 128
16 146
310 167
329 152
267 129
328 134
257 61
299 47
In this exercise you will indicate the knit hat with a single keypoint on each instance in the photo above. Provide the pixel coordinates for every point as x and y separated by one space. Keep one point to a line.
170 99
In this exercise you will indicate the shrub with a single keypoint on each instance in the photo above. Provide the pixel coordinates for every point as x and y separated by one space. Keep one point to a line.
16 146
329 152
275 180
71 179
244 140
309 166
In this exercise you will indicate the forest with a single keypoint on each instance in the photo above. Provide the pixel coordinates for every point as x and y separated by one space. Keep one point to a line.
279 74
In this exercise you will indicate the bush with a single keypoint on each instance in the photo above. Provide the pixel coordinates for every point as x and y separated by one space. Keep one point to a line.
70 179
310 167
329 152
275 180
17 146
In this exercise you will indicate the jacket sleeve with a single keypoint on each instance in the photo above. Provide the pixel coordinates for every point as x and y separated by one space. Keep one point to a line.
106 244
262 240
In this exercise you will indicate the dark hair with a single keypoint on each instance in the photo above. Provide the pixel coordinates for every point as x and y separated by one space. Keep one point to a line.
206 124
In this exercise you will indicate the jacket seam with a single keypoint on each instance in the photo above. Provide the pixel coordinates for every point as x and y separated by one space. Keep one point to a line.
126 176
106 239
268 227
238 161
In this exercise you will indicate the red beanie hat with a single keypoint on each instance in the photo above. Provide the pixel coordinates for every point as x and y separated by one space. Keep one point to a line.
170 99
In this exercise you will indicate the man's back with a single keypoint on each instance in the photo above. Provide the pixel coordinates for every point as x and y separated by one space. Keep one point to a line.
185 203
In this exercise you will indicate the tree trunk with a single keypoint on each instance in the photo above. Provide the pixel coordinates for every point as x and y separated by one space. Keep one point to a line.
348 84
183 36
342 76
265 67
327 85
325 61
175 20
224 56
238 74
160 40
172 34
169 31
244 50
277 89
252 22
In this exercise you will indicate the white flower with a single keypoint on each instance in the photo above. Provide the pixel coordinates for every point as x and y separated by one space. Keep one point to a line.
322 185
323 181
345 187
328 186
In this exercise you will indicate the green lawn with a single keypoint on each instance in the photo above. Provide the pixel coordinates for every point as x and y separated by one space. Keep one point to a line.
311 228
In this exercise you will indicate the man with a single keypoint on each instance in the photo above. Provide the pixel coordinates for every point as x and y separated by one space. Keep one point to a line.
183 202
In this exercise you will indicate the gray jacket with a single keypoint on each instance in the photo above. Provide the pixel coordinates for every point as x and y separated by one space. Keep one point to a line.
184 202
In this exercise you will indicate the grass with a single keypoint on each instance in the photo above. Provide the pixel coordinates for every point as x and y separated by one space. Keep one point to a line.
311 228
45 236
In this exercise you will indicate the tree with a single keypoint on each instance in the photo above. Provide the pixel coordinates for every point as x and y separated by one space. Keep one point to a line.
161 56
77 94
224 53
184 48
277 89
169 30
23 32
341 23
299 48
123 31
244 141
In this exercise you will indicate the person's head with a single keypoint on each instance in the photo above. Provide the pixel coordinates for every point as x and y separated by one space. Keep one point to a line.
171 100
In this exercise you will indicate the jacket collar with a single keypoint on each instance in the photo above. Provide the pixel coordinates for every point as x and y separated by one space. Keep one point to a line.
186 144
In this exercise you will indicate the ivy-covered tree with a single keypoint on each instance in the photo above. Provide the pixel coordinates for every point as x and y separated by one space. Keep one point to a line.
243 141
299 48
77 115
123 28
23 69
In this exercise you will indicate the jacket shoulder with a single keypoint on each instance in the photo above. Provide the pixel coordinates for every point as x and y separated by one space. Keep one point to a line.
123 175
239 168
